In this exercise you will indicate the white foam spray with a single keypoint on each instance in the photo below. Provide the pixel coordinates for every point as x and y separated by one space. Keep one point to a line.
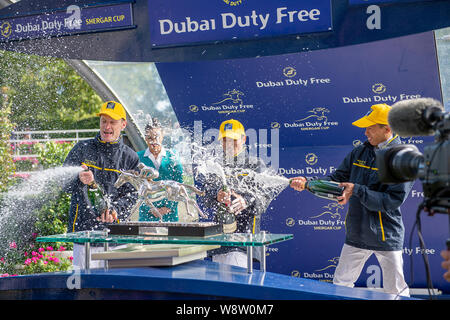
20 204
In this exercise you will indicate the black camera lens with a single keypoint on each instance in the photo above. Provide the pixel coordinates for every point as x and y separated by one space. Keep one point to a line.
398 164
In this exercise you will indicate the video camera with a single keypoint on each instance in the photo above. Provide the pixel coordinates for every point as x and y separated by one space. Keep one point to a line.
401 163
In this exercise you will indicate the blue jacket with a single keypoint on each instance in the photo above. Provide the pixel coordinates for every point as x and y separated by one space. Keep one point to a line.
374 219
105 160
249 220
170 169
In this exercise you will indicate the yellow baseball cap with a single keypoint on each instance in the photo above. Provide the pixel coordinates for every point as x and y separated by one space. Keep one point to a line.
378 114
231 129
113 109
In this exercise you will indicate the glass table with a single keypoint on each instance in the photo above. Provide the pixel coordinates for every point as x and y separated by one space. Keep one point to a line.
247 240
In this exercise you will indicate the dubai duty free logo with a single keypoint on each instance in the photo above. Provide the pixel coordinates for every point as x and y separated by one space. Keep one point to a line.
230 102
311 158
5 29
378 88
325 273
315 119
233 3
289 72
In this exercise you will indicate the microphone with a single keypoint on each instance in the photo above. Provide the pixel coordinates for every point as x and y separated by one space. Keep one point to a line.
415 117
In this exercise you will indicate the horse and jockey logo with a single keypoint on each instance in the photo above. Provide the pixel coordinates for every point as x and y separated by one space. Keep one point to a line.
233 96
333 262
332 211
317 114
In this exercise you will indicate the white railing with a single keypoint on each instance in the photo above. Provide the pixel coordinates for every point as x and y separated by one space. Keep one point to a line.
21 138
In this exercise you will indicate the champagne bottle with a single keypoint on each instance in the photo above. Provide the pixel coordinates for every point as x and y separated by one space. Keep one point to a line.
97 197
225 217
324 189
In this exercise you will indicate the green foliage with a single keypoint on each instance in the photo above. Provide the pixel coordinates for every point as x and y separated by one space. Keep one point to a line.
45 93
6 161
53 216
52 154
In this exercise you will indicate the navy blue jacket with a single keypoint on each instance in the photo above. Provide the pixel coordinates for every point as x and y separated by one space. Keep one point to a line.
105 160
374 219
249 219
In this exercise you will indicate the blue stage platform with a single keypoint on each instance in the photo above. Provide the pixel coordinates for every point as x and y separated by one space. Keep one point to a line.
195 280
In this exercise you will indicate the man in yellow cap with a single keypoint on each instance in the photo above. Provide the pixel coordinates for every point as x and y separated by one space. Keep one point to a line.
101 160
231 198
373 223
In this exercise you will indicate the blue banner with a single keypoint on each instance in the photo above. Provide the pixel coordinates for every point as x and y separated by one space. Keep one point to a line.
72 20
307 97
352 2
301 107
175 22
202 30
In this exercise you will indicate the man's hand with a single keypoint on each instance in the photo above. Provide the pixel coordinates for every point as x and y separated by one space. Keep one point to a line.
108 216
238 204
298 183
164 210
348 191
224 197
86 176
446 263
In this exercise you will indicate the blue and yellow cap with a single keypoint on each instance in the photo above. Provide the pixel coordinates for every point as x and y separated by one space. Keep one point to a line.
113 109
378 114
231 129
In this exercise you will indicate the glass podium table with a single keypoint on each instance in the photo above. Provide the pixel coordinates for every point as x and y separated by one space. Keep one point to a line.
247 240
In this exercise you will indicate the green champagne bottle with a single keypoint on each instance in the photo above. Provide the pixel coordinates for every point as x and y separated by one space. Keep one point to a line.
97 197
324 189
225 217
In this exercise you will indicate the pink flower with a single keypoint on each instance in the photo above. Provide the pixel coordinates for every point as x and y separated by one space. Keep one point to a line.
34 253
27 262
41 249
4 275
61 248
49 248
70 258
25 253
13 245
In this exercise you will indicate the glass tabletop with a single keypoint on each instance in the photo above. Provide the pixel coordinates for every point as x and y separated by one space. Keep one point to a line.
231 239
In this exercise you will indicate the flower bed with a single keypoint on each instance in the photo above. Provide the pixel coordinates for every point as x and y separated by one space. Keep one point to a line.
40 260
46 260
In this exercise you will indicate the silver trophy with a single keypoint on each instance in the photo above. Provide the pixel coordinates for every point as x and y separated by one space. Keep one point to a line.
150 191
